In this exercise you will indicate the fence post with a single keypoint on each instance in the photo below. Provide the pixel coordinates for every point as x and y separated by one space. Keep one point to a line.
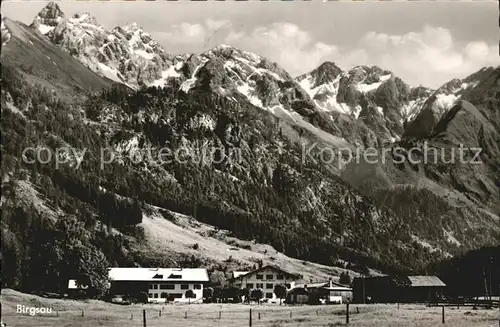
220 315
131 316
83 314
290 314
144 317
159 313
443 313
250 319
259 315
185 314
347 314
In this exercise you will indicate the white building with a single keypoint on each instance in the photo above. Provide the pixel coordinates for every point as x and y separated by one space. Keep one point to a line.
161 284
265 278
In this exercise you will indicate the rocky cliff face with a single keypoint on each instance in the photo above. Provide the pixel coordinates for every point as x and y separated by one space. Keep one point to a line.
369 100
425 117
125 54
232 100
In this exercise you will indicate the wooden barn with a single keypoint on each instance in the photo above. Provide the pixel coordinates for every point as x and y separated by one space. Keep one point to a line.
397 289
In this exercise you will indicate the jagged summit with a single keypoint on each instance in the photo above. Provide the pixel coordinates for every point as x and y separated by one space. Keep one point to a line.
129 28
51 10
327 72
48 18
84 18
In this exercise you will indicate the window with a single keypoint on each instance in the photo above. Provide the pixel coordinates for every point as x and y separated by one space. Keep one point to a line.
269 276
167 286
174 276
259 285
280 277
163 295
249 285
269 286
176 295
288 285
269 295
197 286
150 286
150 295
155 295
260 276
184 286
155 286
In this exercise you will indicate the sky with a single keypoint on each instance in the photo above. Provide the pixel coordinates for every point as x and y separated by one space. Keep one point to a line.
424 43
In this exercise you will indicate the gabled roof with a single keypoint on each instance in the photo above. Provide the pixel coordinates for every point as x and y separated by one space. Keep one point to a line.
237 274
159 274
275 268
426 281
330 285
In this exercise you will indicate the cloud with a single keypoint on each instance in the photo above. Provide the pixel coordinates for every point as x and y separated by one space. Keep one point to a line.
429 57
284 43
191 34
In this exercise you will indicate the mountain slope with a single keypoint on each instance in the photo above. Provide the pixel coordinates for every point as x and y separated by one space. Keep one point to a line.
43 63
125 54
440 101
224 137
368 105
466 189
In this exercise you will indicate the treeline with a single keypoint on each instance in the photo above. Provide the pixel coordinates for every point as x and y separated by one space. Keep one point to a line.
265 203
269 196
475 273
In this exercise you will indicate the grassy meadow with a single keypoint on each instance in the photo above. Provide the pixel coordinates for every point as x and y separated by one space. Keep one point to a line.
68 313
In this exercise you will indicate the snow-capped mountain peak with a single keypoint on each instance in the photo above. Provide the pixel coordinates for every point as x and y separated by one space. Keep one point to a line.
48 18
125 54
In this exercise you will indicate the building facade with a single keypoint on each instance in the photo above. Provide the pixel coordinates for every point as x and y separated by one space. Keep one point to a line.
397 289
327 292
160 284
265 278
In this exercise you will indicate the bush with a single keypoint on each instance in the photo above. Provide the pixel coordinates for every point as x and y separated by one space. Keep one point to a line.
256 294
280 291
143 297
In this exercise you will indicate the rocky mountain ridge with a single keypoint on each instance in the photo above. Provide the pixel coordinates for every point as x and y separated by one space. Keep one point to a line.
237 102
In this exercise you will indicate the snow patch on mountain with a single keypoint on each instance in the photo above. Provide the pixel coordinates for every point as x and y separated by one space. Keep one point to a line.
190 82
248 91
172 71
445 101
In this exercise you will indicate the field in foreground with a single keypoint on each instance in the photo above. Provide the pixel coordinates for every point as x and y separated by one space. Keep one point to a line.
96 313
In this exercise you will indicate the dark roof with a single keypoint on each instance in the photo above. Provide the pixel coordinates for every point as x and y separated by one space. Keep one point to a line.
402 281
426 281
275 268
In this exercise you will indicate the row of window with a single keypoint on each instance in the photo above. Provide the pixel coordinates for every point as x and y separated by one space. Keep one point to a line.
270 276
164 295
261 285
172 286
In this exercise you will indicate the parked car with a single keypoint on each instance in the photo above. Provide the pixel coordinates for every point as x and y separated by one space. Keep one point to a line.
118 299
